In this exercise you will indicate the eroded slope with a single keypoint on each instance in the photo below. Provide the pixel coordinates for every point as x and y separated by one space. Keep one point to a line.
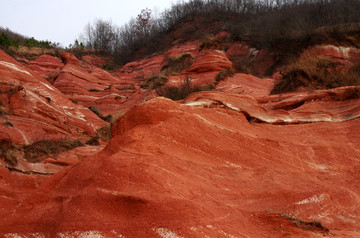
188 171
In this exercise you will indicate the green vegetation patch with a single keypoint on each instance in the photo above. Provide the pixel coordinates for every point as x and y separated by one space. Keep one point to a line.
6 41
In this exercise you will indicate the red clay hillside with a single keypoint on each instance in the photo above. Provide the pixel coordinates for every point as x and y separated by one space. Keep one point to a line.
215 131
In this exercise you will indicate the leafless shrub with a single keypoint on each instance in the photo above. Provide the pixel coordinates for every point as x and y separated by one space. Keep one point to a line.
177 63
223 74
182 91
211 42
243 65
154 81
283 26
99 113
104 133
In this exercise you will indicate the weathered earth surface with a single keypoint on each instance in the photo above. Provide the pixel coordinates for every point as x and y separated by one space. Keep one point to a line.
246 84
234 162
201 168
89 85
250 59
85 83
32 109
207 65
46 65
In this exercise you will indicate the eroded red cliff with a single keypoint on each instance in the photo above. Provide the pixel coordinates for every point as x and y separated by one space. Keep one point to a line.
233 162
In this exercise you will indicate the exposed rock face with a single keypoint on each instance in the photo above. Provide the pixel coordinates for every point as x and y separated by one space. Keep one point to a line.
296 108
207 65
46 65
28 99
153 64
91 86
244 55
188 170
93 60
246 84
210 60
33 110
234 162
86 84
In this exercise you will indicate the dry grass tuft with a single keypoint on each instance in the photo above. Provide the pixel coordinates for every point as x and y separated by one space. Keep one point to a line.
305 225
223 74
211 42
7 152
314 72
104 133
154 80
174 65
37 151
181 92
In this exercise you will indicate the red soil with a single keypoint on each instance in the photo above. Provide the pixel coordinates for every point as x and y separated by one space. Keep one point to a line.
235 163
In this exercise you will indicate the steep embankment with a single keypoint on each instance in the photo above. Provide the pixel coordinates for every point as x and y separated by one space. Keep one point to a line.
198 169
34 111
234 162
27 99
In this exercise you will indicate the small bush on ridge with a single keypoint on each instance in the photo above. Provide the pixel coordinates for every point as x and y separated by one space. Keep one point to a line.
177 63
154 81
211 42
181 92
223 74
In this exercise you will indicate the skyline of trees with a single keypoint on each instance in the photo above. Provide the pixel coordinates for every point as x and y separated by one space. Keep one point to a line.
261 22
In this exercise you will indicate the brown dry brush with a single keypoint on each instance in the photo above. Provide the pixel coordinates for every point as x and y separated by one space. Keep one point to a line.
175 64
223 74
154 80
306 225
8 152
182 91
104 133
35 152
40 149
211 42
315 72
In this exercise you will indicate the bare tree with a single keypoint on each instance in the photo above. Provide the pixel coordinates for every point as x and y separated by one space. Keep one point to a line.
100 36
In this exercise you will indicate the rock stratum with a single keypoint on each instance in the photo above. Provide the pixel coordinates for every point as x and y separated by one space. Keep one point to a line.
233 162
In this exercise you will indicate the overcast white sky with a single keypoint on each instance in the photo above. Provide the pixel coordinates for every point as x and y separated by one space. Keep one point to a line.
63 20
